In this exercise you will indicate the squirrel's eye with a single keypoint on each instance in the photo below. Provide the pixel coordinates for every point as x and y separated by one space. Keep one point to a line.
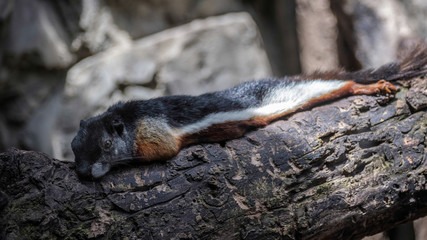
107 144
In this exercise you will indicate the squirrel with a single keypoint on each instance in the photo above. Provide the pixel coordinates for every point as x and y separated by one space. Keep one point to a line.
156 129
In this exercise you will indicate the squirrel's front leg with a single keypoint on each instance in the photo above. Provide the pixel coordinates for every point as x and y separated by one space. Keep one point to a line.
155 140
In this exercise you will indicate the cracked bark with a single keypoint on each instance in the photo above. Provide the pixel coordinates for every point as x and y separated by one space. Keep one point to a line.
343 170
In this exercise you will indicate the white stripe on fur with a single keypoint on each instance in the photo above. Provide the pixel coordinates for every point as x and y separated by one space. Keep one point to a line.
282 98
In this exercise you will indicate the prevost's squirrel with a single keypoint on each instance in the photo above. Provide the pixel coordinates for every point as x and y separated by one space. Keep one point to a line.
156 129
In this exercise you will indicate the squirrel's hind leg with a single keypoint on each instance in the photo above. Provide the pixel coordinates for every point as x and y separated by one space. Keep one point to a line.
353 88
380 87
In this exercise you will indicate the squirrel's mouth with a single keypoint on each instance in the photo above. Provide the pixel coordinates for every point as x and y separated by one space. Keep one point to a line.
100 169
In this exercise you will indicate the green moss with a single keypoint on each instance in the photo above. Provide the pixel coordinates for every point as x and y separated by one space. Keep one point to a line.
419 128
401 94
323 190
115 217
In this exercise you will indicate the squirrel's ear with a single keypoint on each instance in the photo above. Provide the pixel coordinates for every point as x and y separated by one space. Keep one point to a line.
118 126
82 123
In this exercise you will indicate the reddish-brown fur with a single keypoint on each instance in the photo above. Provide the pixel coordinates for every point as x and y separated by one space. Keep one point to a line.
154 150
155 142
225 131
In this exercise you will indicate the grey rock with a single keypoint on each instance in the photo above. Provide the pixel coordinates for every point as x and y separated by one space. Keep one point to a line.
35 30
143 18
39 130
99 29
135 93
215 54
5 8
54 34
379 28
138 71
416 12
317 35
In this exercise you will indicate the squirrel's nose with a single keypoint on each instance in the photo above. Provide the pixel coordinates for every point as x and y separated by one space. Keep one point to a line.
83 171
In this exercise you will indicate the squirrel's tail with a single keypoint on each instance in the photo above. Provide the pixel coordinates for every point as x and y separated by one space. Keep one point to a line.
413 65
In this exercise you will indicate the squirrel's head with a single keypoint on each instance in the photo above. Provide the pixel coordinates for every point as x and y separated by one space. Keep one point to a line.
101 142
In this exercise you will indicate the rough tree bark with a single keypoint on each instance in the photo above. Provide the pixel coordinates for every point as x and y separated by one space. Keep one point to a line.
343 170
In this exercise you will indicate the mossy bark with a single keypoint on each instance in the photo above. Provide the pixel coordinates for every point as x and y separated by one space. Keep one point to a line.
344 170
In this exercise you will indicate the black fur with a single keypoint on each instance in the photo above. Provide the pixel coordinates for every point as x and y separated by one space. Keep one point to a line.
182 110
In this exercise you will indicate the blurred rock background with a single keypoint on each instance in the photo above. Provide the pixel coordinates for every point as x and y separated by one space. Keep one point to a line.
62 61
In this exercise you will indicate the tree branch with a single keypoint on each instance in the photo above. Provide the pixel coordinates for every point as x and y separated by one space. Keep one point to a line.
343 170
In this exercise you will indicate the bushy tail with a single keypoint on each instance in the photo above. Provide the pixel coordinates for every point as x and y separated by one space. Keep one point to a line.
413 65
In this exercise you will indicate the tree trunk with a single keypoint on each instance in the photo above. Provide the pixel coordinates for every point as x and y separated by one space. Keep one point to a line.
343 170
